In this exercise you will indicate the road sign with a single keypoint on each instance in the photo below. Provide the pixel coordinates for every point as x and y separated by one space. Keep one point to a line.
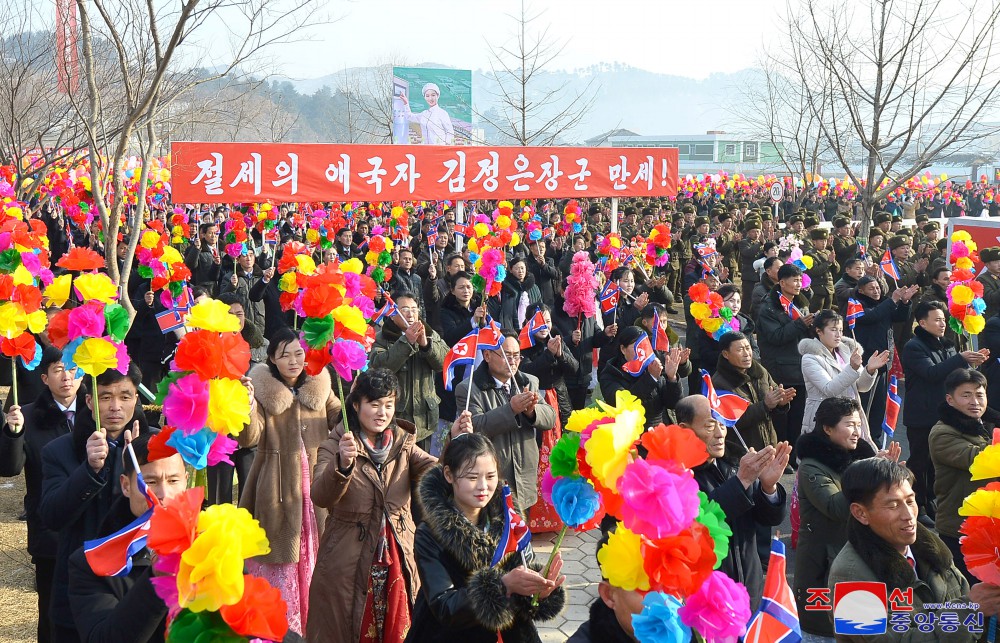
777 191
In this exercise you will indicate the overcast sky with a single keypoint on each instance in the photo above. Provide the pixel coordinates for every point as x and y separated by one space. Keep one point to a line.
686 38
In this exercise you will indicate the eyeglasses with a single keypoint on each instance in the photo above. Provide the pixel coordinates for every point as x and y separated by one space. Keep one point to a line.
513 357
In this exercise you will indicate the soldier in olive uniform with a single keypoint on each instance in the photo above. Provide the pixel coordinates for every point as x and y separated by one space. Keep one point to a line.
910 273
676 256
702 227
750 248
845 246
769 227
796 224
725 240
823 271
883 221
629 228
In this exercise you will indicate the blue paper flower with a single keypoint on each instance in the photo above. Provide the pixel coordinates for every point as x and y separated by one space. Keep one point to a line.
535 235
193 448
501 273
979 305
659 621
575 500
69 352
36 360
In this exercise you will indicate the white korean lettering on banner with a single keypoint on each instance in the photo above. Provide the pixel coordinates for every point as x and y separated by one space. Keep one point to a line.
210 174
521 164
374 175
288 172
340 172
407 172
489 168
619 174
550 173
456 183
249 173
645 173
580 177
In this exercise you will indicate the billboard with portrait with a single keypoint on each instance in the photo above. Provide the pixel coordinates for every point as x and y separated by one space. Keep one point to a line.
431 106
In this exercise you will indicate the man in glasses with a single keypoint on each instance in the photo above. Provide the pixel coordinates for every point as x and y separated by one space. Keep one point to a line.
507 408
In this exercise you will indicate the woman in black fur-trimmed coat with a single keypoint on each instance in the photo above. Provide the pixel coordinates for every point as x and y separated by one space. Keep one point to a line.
462 597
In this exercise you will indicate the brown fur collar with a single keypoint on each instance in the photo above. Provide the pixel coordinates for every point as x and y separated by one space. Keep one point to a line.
276 398
886 563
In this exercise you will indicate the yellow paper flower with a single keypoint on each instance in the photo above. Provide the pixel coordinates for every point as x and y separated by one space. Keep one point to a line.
987 463
515 240
96 286
213 315
58 291
13 320
211 569
961 235
711 325
974 324
624 401
473 245
962 295
353 265
372 258
170 256
580 420
700 311
964 263
149 239
609 446
306 264
503 222
481 229
37 321
312 236
621 560
351 318
807 261
228 406
96 355
287 283
981 502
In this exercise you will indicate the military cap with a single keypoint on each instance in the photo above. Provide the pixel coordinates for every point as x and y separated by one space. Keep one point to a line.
898 241
882 217
819 233
702 220
751 224
795 218
990 254
840 222
811 221
688 209
897 218
932 226
725 216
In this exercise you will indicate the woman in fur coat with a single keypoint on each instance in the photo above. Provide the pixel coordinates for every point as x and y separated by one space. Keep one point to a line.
294 414
832 367
465 597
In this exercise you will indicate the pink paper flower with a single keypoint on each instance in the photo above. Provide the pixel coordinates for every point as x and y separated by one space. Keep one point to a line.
348 356
85 321
657 502
547 483
223 447
352 284
719 610
123 358
31 262
186 404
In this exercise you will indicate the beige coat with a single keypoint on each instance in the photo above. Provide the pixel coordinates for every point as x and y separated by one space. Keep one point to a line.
280 425
825 377
356 503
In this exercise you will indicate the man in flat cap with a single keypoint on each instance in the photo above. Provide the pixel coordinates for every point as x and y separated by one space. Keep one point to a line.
824 269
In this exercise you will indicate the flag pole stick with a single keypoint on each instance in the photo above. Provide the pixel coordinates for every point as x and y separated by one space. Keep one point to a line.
468 395
871 396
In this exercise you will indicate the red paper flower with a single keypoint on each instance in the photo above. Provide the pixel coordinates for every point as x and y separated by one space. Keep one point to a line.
287 300
260 613
81 259
680 564
981 548
158 447
674 444
320 300
698 292
235 356
6 286
200 351
174 524
22 346
58 329
30 297
316 360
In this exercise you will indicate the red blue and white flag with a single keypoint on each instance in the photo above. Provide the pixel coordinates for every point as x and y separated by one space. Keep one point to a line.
660 340
888 265
727 407
789 307
490 336
515 536
112 555
644 356
461 354
432 235
535 325
854 310
609 296
777 620
892 404
388 309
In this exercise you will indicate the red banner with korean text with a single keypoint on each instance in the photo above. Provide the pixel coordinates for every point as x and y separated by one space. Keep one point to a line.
252 172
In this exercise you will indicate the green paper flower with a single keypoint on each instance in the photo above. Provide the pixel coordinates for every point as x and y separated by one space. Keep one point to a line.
726 313
956 325
201 627
378 275
384 258
562 460
318 331
711 515
145 272
176 288
478 282
164 385
9 260
116 318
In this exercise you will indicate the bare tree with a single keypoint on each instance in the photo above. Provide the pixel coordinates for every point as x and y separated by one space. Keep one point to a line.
133 67
772 107
893 85
369 101
529 112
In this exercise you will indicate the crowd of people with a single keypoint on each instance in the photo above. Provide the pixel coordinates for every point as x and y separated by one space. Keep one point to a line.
382 528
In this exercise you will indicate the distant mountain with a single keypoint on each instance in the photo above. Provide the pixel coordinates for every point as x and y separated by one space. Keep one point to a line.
644 102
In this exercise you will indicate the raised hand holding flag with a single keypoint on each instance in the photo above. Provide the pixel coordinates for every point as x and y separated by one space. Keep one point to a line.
461 354
609 296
